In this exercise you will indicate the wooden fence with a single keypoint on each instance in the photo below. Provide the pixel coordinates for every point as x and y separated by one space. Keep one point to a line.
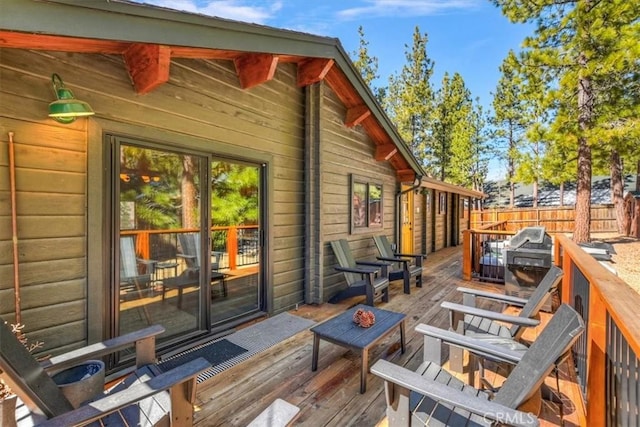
555 219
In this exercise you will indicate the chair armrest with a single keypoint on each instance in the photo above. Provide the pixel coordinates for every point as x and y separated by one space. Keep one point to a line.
477 346
186 256
374 263
488 314
418 257
393 259
478 405
106 347
97 409
358 270
494 296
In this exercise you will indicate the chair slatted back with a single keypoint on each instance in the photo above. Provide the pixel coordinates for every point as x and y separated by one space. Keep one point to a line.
384 246
345 258
385 249
128 259
554 341
545 288
27 379
190 244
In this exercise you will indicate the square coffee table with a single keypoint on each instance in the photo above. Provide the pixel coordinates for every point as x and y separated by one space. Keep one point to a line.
341 330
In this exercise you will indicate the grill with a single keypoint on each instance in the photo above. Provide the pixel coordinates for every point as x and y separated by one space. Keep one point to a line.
528 259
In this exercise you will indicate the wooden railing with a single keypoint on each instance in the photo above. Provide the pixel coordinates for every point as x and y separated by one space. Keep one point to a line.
479 263
239 243
607 354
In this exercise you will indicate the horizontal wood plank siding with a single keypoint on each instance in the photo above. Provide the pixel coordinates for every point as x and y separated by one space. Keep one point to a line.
202 102
347 151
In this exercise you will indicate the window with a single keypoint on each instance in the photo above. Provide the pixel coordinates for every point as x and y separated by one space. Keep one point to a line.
443 203
366 204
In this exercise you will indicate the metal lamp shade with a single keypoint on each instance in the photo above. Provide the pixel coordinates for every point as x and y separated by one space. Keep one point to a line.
66 108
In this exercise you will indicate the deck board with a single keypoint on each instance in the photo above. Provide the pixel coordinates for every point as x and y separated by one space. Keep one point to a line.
330 396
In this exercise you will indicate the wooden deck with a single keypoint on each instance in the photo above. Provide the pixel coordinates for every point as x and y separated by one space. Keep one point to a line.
330 396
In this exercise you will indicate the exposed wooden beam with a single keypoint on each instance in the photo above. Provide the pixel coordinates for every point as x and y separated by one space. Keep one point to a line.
148 65
255 68
405 175
385 152
356 114
56 43
313 70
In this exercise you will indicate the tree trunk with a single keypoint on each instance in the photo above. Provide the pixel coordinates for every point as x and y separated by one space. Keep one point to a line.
561 194
535 194
189 193
617 190
512 194
582 231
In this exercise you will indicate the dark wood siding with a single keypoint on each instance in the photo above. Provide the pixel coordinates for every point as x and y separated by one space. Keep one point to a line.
202 107
348 151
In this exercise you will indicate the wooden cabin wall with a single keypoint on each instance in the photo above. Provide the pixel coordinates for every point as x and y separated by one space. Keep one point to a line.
348 151
438 223
202 107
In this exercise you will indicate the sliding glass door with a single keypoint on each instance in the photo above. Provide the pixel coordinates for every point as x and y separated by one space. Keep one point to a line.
186 255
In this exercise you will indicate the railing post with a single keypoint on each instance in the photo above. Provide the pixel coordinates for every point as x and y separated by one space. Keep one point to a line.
567 278
466 254
596 359
142 245
232 247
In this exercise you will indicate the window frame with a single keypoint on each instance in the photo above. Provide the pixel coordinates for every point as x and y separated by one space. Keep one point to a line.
360 184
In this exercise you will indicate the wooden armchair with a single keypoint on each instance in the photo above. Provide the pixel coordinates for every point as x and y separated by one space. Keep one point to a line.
432 396
404 266
147 397
363 277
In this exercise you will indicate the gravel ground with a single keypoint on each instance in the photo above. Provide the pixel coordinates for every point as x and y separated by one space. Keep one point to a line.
627 257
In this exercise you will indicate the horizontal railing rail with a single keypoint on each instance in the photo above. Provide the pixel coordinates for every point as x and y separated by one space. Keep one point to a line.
239 243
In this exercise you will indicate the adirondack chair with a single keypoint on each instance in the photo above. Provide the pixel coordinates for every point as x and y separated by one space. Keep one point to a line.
191 253
432 396
147 397
404 266
368 278
131 279
467 319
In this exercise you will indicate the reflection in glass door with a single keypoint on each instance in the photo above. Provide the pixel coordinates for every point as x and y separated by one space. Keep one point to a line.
235 251
159 237
188 255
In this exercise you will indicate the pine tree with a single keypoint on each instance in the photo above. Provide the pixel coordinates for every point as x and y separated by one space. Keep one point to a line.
573 47
409 97
451 128
510 117
365 64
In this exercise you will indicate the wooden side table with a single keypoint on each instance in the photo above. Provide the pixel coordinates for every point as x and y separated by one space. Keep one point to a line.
341 330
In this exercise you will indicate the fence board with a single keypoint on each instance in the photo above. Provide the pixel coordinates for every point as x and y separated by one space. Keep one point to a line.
554 219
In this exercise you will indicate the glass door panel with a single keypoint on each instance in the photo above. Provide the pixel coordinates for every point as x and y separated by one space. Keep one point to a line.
236 248
159 197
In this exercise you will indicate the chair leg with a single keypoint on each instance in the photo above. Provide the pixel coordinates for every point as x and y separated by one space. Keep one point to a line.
407 282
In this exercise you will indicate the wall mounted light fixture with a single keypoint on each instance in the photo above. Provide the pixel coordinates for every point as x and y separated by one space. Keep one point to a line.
66 108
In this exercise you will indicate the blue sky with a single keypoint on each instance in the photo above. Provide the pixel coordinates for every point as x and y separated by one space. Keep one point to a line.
470 37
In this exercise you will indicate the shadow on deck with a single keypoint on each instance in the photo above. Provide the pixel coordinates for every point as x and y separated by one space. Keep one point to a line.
330 396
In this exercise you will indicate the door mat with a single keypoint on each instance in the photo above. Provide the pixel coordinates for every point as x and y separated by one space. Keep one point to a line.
254 339
215 352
